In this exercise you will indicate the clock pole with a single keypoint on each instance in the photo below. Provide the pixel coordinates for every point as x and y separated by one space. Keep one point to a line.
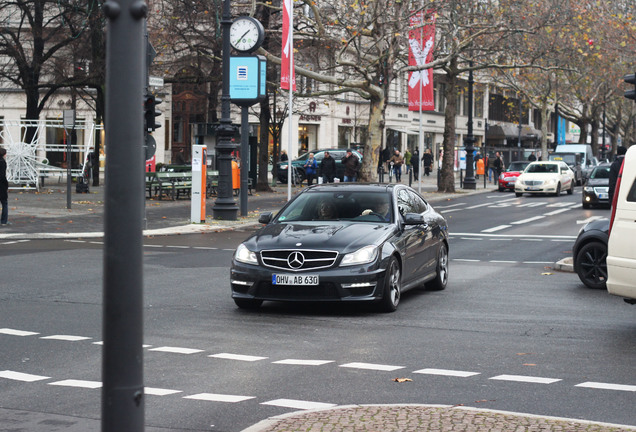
225 207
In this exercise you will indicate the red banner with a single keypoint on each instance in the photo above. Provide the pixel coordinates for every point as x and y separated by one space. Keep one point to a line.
287 52
421 44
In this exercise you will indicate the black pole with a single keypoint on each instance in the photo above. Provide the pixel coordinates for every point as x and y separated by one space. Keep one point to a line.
556 127
469 140
245 157
225 207
122 366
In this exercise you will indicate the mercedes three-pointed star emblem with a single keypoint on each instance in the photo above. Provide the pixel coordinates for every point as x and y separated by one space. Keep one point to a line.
295 260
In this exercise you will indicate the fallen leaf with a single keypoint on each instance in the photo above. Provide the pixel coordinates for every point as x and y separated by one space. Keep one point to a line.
529 364
401 380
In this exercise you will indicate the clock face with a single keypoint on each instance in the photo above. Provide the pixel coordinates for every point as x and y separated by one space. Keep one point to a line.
246 34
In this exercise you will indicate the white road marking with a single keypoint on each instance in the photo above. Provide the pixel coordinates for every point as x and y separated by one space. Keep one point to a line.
239 357
214 397
159 391
19 376
371 366
303 362
466 260
537 262
153 246
298 404
176 350
523 221
471 238
497 228
503 262
527 379
533 204
204 248
178 247
556 212
590 219
446 372
607 386
535 240
14 332
69 338
78 383
510 236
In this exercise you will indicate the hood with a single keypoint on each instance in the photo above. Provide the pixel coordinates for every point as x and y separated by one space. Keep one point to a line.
341 236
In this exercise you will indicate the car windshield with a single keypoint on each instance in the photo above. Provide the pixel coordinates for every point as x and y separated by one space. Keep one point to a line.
600 172
569 159
542 168
358 206
518 166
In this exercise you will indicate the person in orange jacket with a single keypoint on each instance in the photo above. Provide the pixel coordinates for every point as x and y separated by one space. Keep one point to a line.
480 167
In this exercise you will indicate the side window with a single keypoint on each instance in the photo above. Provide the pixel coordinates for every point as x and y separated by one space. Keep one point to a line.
631 196
417 203
403 201
337 155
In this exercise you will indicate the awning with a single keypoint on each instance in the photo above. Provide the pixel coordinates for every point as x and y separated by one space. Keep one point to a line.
404 131
510 131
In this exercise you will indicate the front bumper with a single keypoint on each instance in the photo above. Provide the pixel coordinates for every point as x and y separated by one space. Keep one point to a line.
355 283
594 198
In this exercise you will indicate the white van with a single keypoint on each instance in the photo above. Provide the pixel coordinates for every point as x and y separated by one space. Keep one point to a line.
621 248
588 160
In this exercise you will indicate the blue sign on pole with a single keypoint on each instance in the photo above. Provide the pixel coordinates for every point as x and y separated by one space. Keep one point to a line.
248 83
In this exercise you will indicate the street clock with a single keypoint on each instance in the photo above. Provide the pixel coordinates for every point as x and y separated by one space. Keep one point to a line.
246 34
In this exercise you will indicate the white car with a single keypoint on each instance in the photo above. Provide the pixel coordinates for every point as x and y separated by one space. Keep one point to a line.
621 248
550 177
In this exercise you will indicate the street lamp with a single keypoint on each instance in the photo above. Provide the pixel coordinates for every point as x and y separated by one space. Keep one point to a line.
469 140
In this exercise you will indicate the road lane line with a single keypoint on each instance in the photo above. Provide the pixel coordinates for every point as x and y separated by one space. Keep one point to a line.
298 404
160 391
303 362
371 366
176 350
69 338
215 397
78 383
556 212
446 372
532 219
527 379
239 357
497 228
466 260
14 332
607 386
19 376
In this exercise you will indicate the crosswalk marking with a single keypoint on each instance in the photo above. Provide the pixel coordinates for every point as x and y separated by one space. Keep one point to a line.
526 379
298 404
69 338
371 366
607 386
215 397
176 350
19 376
530 219
78 383
497 228
303 362
239 357
14 332
159 391
446 372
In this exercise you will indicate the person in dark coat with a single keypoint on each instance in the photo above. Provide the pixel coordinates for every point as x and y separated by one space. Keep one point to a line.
327 168
428 162
415 162
4 188
351 164
615 169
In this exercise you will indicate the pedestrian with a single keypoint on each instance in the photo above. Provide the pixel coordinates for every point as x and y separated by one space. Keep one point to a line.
327 168
351 166
428 162
499 165
615 169
4 188
480 167
397 161
310 169
180 159
415 163
407 161
532 157
283 156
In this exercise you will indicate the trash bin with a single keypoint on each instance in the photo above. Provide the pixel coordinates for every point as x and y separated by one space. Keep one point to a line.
236 176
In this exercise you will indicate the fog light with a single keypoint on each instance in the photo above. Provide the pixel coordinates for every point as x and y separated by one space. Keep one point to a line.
359 285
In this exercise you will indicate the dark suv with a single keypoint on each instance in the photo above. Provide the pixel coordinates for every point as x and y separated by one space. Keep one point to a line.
298 163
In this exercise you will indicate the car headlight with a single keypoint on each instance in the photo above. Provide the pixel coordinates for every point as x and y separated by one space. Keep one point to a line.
588 189
362 256
244 255
519 181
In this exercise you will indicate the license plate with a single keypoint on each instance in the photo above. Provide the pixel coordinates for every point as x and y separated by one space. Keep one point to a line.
533 188
292 279
603 196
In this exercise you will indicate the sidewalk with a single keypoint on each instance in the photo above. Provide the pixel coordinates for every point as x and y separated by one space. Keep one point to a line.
44 214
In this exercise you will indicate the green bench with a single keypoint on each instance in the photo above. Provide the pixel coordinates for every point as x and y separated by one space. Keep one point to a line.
169 184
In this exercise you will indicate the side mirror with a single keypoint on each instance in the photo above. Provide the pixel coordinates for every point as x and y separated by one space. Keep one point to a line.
413 219
265 218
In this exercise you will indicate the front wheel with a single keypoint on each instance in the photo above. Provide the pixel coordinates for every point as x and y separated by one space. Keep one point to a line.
558 190
392 286
571 190
592 265
441 278
518 194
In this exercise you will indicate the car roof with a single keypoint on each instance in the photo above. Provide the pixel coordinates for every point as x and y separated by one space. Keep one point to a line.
367 187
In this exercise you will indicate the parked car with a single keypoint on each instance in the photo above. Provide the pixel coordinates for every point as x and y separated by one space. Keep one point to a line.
545 178
298 163
595 190
590 254
343 242
621 253
574 161
509 176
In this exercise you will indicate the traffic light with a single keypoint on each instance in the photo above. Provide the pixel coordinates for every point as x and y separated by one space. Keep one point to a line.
630 79
150 112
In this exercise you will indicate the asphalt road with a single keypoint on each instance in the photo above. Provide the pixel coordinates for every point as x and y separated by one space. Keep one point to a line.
509 332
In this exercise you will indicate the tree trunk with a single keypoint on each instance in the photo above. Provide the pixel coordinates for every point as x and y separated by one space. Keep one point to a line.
446 182
544 131
369 170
